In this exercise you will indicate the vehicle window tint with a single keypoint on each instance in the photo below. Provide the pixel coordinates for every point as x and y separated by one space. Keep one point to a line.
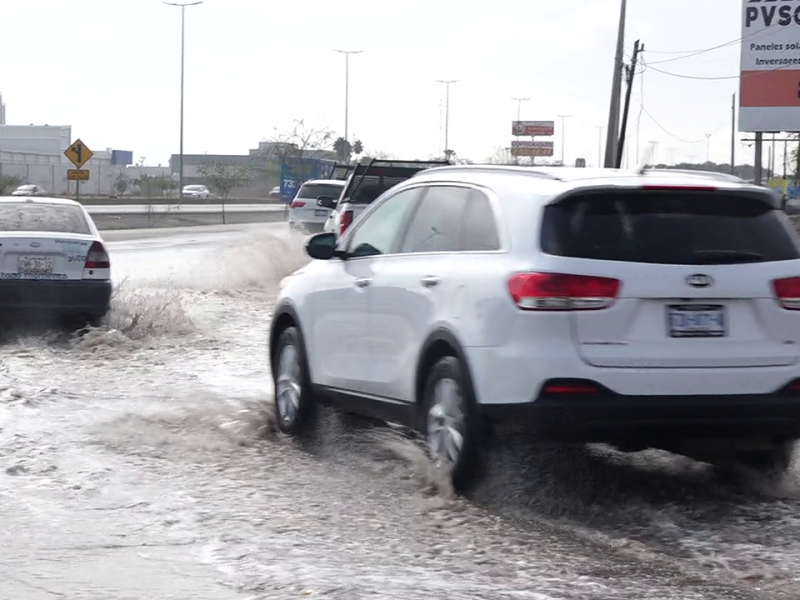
29 216
667 228
436 226
480 228
315 190
377 232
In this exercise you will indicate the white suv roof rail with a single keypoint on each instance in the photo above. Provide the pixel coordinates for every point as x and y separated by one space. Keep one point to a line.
492 169
716 175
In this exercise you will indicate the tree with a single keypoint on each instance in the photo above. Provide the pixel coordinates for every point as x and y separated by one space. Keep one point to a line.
300 141
501 156
121 184
9 182
343 149
358 147
223 178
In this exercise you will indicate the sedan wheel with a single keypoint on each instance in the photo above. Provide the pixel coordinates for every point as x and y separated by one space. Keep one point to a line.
294 401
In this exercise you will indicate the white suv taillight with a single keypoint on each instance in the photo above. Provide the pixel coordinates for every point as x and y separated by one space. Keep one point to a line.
346 221
787 292
562 291
97 257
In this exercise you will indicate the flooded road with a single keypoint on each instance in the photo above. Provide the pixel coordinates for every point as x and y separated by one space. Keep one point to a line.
138 462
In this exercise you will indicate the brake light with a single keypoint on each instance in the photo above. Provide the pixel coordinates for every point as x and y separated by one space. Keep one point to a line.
347 220
787 292
97 257
298 204
679 188
794 387
562 291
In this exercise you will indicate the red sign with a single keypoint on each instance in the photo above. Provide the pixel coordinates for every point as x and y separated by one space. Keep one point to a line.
533 128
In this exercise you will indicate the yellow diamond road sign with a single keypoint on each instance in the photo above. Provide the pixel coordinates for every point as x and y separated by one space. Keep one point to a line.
78 153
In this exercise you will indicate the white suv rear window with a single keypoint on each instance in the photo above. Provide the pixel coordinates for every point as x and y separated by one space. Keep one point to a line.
667 227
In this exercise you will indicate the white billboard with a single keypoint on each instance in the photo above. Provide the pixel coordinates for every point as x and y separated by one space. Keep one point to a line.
769 93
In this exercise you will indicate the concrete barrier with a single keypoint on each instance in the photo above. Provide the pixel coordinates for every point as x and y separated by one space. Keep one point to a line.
157 220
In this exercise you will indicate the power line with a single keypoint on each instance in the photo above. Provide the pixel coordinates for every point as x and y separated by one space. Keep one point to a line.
722 77
689 53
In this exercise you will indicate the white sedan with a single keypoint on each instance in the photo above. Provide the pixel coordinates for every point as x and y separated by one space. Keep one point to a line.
54 266
196 191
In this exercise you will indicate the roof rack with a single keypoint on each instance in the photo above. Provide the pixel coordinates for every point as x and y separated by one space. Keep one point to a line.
539 172
696 173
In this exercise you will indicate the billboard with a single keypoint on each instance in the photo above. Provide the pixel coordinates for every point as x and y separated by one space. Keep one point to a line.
296 171
533 128
531 148
769 93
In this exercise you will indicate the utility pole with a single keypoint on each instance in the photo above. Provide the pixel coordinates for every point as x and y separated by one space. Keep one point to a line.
631 72
447 83
347 54
612 133
183 55
708 148
563 135
733 135
519 118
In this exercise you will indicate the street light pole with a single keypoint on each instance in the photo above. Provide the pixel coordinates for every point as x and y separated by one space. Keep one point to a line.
183 55
347 54
563 136
600 130
519 118
447 113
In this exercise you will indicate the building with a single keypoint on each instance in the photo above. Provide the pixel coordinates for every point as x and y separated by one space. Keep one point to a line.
35 154
2 111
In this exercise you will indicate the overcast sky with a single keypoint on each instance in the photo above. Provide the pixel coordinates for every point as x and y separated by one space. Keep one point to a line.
111 68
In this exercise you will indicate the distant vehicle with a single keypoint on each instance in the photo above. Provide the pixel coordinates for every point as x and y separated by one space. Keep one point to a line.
311 206
275 192
29 190
365 183
196 191
53 263
641 309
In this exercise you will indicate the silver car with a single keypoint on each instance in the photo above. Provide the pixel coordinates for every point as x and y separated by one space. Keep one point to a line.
312 204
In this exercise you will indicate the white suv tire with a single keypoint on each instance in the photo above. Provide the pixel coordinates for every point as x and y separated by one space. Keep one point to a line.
294 401
449 415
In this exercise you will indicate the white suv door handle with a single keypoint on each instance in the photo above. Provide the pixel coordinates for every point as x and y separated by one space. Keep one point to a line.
363 282
430 281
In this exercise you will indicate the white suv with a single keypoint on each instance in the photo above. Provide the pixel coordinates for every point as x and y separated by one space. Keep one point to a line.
311 206
641 309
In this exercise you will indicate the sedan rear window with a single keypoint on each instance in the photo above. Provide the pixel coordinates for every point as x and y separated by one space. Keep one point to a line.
666 227
39 216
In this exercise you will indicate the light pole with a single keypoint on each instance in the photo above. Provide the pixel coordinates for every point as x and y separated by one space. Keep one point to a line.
347 54
519 106
519 118
563 136
600 130
183 54
447 83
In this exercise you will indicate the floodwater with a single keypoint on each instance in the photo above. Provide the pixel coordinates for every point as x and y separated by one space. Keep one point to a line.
139 462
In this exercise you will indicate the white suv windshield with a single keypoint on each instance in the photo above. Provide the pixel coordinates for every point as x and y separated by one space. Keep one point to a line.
667 228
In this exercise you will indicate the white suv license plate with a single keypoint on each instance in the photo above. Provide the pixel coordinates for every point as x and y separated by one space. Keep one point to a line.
697 320
320 212
35 265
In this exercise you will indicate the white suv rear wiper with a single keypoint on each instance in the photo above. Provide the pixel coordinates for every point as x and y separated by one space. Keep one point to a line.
722 257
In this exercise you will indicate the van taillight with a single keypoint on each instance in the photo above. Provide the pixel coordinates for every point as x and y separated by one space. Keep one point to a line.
298 204
787 292
97 257
562 291
347 220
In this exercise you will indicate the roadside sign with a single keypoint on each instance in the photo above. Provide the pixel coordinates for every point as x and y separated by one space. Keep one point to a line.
78 174
580 163
769 92
533 128
531 148
78 153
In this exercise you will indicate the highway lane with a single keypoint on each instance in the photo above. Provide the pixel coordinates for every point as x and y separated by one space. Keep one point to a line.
139 464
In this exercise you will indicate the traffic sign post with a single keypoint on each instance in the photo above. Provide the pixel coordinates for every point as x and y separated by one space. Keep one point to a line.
78 154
